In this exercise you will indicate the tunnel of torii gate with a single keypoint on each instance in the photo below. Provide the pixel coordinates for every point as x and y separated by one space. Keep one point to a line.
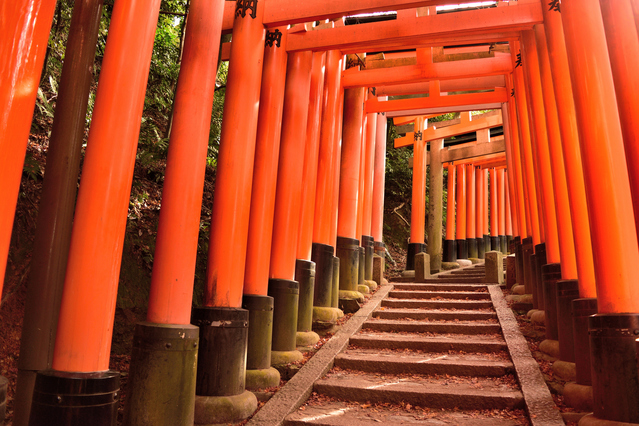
298 210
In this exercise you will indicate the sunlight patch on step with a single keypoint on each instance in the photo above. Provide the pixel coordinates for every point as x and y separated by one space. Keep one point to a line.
432 359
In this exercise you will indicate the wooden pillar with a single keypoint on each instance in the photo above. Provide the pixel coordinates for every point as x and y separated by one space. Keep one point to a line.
470 211
450 251
435 204
462 247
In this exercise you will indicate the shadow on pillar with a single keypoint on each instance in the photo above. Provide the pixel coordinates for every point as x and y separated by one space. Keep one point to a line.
75 399
551 273
220 393
503 244
526 252
481 248
462 249
495 244
537 273
487 244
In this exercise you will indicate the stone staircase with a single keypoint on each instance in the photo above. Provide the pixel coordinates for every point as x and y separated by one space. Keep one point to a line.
431 353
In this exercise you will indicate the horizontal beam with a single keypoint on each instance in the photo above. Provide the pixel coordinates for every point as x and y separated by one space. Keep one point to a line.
282 12
402 31
453 101
444 110
457 85
486 151
420 73
463 128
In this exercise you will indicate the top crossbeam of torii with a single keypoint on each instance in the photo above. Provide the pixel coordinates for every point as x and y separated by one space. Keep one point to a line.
413 27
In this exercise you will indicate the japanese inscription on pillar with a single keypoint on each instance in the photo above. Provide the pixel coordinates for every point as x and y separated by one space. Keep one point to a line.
242 6
518 62
417 136
273 37
555 5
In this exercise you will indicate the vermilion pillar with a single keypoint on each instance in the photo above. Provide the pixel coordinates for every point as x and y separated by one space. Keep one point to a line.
479 212
171 292
533 78
527 153
347 238
362 173
258 252
23 44
513 175
83 339
368 241
610 208
494 210
486 214
221 316
571 153
462 245
566 242
304 268
323 249
471 213
450 250
623 49
501 209
509 221
418 207
282 285
377 221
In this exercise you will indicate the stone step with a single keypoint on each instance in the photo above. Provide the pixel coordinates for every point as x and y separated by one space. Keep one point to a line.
423 363
440 287
437 304
440 343
391 326
456 295
446 392
328 413
421 314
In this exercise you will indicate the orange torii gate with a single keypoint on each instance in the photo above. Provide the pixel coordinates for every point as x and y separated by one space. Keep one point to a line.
570 91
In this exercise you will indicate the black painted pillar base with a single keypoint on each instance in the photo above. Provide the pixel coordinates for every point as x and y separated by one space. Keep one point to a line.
75 399
538 295
551 273
260 330
368 243
336 283
473 251
495 245
582 309
509 243
567 291
487 244
413 249
462 249
526 252
615 379
161 385
481 248
540 261
519 274
285 294
361 267
380 249
322 255
503 244
347 251
305 276
450 251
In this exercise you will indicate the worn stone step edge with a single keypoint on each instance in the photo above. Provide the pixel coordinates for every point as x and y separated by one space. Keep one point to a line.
431 344
423 364
439 287
462 315
432 396
450 295
436 304
446 328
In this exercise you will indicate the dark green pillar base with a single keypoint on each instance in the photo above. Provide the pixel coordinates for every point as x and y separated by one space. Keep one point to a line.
582 309
526 252
450 251
368 243
494 243
567 291
509 243
462 249
473 250
503 244
551 273
481 248
537 296
221 363
262 378
487 244
540 261
348 253
260 331
413 249
75 399
215 410
161 385
285 294
336 287
361 267
322 255
3 398
615 379
372 285
363 288
305 276
380 249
